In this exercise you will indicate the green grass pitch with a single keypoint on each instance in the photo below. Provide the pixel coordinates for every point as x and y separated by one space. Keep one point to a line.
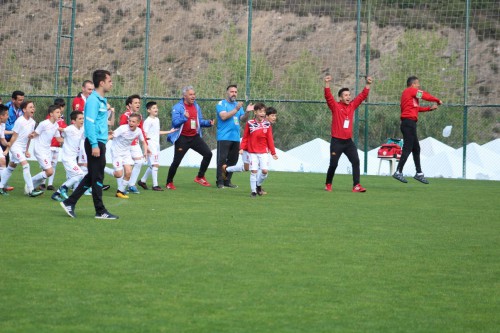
398 258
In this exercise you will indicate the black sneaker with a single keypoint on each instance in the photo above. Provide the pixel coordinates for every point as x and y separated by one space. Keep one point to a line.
106 216
69 209
106 187
253 195
421 178
220 186
399 176
50 188
259 190
143 185
231 185
42 187
157 188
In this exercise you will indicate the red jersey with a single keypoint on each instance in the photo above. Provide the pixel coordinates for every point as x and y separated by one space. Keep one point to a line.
124 121
258 137
62 124
342 114
190 127
410 106
78 103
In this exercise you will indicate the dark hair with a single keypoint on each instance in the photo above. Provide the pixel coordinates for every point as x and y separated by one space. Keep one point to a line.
231 86
3 109
25 103
342 90
259 106
73 115
98 76
149 105
131 98
59 102
16 93
271 110
52 108
85 82
411 80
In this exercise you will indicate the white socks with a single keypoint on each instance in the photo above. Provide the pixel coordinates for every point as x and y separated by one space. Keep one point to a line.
236 168
136 170
261 177
27 177
253 182
39 179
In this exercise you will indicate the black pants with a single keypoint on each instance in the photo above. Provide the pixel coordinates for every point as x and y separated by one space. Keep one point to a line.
410 144
182 145
337 148
94 178
227 153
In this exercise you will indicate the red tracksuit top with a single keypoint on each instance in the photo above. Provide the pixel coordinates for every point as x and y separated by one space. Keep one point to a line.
258 138
342 112
410 106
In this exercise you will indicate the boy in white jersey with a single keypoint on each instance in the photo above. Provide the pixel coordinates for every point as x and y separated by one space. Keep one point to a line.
42 138
19 144
120 151
151 127
73 135
4 115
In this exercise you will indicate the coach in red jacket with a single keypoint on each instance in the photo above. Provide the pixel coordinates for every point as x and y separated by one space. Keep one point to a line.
341 143
410 108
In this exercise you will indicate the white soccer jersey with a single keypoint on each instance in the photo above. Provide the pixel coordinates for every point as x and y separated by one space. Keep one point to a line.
2 131
72 138
151 127
46 130
123 137
23 127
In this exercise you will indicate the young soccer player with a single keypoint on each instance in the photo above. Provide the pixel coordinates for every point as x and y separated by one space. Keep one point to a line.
42 138
151 127
55 145
19 144
122 138
73 136
4 115
258 141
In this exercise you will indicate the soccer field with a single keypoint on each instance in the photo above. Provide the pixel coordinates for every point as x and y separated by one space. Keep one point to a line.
398 258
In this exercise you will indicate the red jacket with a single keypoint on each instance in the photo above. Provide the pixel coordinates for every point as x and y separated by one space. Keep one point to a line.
342 112
410 106
78 103
258 138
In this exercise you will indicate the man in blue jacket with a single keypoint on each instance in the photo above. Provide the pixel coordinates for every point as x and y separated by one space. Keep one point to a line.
187 117
96 136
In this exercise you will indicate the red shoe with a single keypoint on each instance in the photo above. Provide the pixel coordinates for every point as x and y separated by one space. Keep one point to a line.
358 188
202 181
328 187
171 186
9 188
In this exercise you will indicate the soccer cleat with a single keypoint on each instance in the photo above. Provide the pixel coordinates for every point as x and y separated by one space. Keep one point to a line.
220 186
57 197
328 187
231 185
358 188
50 188
88 192
8 188
106 187
157 188
143 185
171 186
121 195
106 216
42 187
3 192
202 181
253 195
259 190
35 193
399 176
69 209
133 190
224 172
63 190
421 178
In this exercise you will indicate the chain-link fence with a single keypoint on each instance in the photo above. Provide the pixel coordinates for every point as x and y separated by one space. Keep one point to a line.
277 51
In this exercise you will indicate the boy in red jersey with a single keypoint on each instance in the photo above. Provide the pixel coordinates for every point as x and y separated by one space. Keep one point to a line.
258 141
342 120
409 116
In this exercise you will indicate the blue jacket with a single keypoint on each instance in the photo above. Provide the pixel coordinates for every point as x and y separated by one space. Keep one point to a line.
96 119
178 120
13 115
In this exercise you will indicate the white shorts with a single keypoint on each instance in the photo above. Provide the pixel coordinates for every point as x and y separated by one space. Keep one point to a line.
245 157
259 161
82 156
119 160
72 169
154 158
44 158
17 157
136 151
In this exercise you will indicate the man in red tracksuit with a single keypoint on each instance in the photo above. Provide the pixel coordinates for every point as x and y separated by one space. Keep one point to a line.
410 108
342 121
